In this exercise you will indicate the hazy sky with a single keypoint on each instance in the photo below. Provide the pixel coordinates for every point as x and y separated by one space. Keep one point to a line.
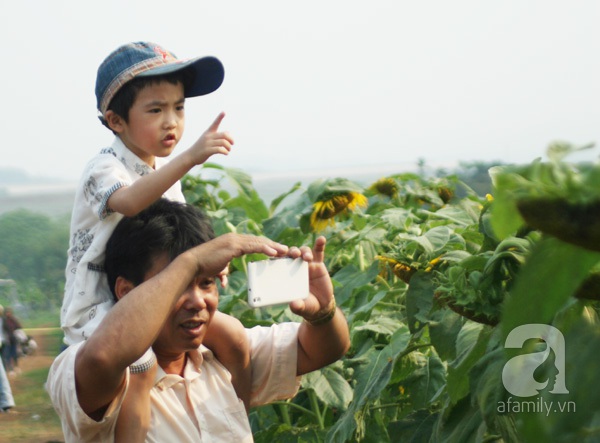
316 84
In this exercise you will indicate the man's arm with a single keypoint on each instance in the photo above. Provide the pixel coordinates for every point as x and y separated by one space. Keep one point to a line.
324 336
133 324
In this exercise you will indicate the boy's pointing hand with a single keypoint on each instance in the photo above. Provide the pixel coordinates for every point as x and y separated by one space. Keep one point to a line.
212 142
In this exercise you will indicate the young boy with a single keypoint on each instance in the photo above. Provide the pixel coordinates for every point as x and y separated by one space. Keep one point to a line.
141 90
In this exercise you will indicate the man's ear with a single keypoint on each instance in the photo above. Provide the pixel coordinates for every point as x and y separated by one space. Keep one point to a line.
114 121
122 287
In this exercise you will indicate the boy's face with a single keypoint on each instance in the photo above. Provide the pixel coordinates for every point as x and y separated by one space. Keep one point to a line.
156 121
188 322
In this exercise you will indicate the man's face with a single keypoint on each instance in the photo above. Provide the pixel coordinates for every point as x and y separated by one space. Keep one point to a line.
188 322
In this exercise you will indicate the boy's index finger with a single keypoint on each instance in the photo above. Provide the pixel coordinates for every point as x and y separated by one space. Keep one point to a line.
215 125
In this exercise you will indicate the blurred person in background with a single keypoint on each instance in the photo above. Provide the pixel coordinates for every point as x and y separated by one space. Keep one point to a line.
3 339
10 354
6 397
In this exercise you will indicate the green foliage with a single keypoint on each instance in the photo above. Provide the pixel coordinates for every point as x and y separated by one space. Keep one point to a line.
431 277
33 253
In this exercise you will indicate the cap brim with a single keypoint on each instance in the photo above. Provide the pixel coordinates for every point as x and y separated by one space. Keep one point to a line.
208 74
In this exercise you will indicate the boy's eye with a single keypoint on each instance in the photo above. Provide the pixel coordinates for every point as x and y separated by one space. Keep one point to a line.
154 110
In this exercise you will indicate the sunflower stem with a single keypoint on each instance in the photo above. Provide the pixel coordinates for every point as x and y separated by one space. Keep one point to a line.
383 281
361 257
314 406
285 414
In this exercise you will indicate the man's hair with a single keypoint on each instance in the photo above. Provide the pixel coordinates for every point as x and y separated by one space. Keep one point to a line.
124 98
165 227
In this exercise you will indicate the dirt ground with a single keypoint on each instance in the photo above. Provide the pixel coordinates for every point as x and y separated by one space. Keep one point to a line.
32 420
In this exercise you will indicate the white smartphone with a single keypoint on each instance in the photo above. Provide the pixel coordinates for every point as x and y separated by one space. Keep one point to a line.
276 281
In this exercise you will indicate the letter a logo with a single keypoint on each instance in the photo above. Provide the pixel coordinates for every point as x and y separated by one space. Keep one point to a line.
518 372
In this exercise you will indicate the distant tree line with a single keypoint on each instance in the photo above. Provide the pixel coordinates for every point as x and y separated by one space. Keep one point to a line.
475 175
33 251
472 173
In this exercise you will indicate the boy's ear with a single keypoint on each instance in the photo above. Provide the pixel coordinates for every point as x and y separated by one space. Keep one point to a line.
114 121
122 287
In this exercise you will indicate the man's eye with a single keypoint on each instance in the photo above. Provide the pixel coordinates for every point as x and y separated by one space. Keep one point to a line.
181 108
154 110
207 282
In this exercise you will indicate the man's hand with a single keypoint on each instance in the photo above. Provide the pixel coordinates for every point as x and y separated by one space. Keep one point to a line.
211 142
324 335
321 300
213 256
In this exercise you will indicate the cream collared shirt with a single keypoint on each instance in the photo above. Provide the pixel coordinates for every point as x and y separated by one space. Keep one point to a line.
201 406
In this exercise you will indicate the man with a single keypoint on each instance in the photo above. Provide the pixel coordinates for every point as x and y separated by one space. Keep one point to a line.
162 265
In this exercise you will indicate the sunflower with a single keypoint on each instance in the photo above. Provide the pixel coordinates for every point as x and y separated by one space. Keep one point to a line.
403 271
332 204
433 263
445 193
385 186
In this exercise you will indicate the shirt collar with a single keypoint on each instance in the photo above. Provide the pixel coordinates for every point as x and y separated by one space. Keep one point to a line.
192 370
129 159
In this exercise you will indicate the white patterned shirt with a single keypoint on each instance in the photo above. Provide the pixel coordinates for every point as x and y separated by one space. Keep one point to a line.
87 296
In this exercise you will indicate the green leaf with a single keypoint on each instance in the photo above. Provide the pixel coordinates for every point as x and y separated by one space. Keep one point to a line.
505 217
572 416
277 200
460 424
485 378
452 213
284 433
350 278
380 325
274 226
443 330
425 381
241 180
331 388
251 203
366 307
475 262
419 300
371 378
455 256
397 217
415 428
438 237
433 240
471 345
545 283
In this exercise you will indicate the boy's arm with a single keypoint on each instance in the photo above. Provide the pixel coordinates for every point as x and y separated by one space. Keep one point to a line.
129 200
134 322
132 199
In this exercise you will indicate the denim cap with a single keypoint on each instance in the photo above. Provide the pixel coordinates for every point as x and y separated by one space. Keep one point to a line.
145 59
